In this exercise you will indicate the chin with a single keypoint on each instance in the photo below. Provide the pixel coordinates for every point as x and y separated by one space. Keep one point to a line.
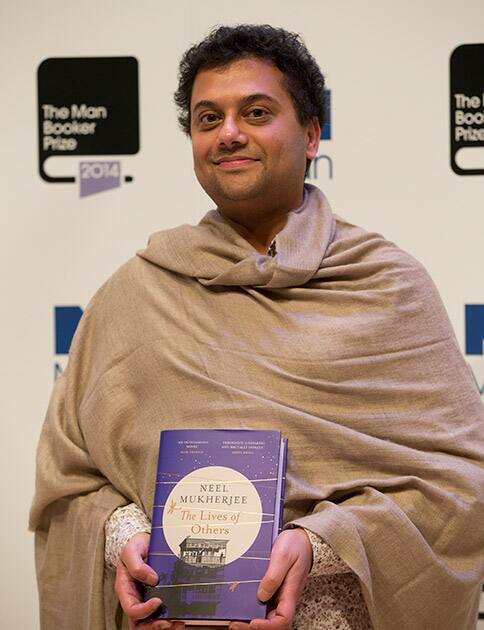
239 191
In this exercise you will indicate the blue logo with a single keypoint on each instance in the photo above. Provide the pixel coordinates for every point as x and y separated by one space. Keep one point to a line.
326 166
66 320
326 128
474 328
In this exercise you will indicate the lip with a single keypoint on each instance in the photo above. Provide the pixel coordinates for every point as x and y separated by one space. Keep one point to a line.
234 162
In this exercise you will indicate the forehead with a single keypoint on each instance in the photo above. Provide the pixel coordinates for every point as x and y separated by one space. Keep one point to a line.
239 79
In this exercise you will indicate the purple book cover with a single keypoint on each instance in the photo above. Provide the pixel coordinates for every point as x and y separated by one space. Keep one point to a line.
216 512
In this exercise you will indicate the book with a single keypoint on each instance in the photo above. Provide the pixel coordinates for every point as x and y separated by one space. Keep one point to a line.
217 511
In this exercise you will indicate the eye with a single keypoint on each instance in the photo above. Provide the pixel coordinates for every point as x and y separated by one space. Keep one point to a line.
208 119
257 112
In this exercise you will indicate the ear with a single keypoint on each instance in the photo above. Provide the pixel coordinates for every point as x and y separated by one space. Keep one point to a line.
313 137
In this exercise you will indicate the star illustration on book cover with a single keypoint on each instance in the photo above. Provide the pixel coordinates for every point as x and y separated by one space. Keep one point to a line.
172 507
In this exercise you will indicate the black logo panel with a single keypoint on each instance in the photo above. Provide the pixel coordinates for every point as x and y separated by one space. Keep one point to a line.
467 109
87 106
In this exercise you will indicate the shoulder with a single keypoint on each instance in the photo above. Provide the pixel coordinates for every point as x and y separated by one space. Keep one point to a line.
116 295
370 257
123 315
376 277
130 291
360 245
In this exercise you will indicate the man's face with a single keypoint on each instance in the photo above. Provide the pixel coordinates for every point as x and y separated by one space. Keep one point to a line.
249 148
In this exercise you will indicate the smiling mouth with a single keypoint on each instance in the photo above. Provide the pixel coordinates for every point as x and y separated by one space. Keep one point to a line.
234 163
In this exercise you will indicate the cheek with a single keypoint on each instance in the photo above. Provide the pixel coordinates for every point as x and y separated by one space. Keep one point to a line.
199 151
280 142
270 144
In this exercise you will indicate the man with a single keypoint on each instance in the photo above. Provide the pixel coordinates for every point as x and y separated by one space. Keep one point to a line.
271 313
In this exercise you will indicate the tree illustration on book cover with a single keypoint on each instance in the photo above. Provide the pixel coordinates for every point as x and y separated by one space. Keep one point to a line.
217 510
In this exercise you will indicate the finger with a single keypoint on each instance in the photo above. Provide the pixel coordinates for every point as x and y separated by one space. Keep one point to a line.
139 612
270 622
130 598
158 624
132 558
275 622
283 615
151 625
287 598
279 565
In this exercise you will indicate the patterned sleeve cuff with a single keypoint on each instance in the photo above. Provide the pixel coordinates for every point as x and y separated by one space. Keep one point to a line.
325 561
122 525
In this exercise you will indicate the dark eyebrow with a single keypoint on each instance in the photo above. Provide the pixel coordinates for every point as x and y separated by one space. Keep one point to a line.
260 96
246 100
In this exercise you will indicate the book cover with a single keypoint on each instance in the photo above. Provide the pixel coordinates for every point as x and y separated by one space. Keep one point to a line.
217 510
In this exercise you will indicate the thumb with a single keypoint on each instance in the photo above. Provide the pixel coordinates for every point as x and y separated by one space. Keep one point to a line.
279 565
133 555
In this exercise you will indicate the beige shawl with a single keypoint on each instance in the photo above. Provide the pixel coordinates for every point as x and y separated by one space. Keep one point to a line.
342 343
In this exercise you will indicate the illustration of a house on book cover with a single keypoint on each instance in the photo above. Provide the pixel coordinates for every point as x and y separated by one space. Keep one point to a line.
217 510
201 560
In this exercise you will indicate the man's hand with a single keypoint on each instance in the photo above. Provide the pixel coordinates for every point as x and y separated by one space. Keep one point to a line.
132 569
291 560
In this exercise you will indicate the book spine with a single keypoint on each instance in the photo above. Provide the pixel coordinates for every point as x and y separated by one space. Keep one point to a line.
280 489
283 489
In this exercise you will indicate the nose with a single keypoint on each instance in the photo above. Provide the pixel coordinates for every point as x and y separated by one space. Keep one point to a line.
230 133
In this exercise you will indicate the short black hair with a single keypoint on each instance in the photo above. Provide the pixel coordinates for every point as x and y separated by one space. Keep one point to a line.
286 50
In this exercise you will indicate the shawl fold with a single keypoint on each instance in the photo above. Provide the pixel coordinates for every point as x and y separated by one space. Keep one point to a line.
341 342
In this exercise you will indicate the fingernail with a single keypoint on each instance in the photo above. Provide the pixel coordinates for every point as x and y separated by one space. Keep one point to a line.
150 580
263 595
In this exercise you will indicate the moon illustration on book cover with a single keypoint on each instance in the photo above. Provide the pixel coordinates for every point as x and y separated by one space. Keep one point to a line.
212 503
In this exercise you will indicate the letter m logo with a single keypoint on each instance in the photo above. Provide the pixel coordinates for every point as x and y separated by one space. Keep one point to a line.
474 328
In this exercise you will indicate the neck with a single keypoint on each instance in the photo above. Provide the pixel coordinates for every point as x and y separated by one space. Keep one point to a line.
259 229
261 235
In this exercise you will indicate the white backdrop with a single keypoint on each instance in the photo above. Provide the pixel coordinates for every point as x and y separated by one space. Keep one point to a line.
387 65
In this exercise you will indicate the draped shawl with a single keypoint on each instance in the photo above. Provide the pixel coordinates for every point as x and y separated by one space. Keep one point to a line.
341 342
